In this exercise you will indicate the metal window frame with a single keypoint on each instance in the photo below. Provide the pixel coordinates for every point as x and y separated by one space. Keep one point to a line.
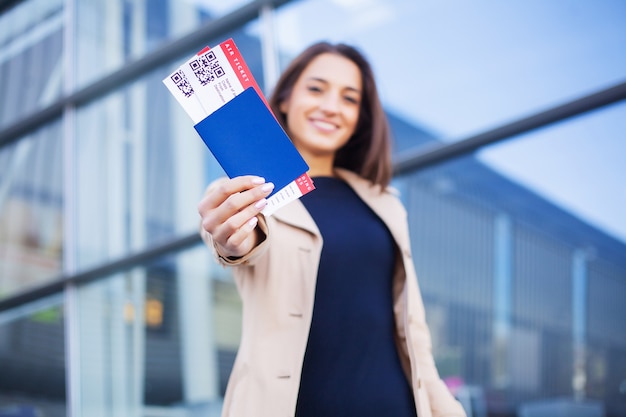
7 4
412 160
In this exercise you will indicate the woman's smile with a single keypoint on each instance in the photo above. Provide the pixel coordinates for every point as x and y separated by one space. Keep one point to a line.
324 125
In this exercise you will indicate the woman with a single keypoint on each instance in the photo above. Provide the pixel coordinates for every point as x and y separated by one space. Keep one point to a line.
333 321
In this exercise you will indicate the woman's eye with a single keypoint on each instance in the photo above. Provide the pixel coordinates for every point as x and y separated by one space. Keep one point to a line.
314 89
351 99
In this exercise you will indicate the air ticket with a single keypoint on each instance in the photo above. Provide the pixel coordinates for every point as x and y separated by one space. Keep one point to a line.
209 80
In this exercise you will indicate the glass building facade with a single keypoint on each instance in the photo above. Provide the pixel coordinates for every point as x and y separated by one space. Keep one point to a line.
506 115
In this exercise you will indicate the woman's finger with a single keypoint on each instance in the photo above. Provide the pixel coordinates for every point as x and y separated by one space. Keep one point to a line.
221 191
228 209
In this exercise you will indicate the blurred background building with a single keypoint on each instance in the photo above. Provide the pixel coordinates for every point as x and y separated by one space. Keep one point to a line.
510 122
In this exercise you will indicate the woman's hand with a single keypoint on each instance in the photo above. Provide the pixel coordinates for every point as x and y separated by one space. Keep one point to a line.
228 211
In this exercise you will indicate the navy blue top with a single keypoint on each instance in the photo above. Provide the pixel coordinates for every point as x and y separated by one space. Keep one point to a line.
351 365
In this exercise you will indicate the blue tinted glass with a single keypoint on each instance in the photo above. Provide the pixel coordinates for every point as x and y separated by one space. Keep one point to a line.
111 33
31 58
31 210
457 68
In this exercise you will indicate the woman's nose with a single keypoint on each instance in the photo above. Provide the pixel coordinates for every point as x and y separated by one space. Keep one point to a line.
330 103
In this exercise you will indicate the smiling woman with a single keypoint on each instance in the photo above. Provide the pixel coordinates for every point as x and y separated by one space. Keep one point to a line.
333 320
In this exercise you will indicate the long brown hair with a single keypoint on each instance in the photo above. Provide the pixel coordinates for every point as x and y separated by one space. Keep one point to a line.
368 151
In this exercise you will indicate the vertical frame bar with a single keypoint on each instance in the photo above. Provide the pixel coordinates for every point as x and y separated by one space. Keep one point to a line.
502 297
579 322
72 336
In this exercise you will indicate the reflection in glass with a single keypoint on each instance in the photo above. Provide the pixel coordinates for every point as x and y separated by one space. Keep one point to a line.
31 57
141 166
578 279
577 164
32 354
140 172
514 285
160 338
110 317
111 33
31 210
466 67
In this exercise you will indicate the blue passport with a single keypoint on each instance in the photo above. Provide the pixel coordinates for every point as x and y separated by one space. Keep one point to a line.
246 139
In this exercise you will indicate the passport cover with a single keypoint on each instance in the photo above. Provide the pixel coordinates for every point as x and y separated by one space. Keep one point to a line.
246 139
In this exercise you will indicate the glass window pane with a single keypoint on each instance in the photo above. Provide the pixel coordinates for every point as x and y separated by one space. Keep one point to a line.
577 164
140 171
141 166
31 58
111 33
32 354
604 361
520 251
159 338
31 210
458 68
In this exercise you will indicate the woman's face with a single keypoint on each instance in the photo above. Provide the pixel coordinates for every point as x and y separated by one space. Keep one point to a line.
323 109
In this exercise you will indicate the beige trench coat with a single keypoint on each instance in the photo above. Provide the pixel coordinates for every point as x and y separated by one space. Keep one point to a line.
276 282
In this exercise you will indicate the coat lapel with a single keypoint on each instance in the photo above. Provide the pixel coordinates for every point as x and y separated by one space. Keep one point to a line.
297 215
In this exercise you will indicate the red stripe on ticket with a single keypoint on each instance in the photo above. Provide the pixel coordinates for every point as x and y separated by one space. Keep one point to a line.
305 184
240 67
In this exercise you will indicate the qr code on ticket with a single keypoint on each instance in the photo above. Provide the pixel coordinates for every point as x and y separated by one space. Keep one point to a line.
181 81
206 68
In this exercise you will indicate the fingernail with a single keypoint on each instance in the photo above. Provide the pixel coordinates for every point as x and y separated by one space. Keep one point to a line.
268 187
258 180
252 223
260 204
